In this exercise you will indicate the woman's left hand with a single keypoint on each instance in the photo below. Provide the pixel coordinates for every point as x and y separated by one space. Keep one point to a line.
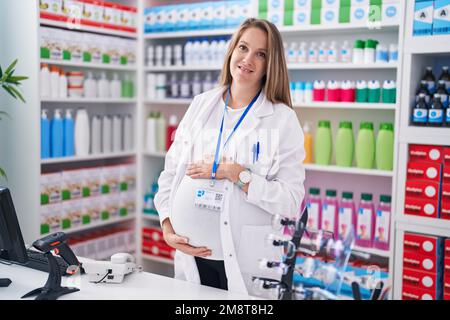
225 170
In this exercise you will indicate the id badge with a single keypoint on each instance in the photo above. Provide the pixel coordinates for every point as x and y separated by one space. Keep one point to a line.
209 199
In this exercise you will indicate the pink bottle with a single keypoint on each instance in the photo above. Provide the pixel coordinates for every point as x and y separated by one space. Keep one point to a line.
365 225
314 205
348 91
334 91
382 223
347 215
319 90
330 213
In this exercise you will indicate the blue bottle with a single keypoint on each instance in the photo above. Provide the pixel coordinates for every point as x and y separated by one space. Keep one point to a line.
436 112
57 135
45 135
69 139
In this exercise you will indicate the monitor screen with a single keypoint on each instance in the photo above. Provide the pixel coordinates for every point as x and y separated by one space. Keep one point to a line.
12 246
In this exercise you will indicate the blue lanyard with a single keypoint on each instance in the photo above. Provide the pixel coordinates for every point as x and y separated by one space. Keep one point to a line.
219 140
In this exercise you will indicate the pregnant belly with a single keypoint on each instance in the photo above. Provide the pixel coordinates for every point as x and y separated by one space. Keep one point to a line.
201 226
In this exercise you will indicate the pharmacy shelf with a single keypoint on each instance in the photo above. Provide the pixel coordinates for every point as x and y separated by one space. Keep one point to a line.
341 66
88 100
425 135
88 158
157 259
189 33
150 217
180 102
345 170
428 44
99 224
424 225
373 251
347 105
92 65
183 68
156 154
79 27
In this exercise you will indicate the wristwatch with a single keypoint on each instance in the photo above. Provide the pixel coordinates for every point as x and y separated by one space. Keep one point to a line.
245 176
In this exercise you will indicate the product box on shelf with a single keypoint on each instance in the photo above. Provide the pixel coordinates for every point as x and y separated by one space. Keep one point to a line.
127 177
127 203
51 9
71 213
413 260
423 17
92 180
422 189
424 171
50 188
445 202
447 269
160 249
391 11
447 248
441 21
446 287
418 152
415 293
110 176
359 13
422 207
50 217
430 246
152 234
72 184
92 14
423 280
446 173
93 209
447 155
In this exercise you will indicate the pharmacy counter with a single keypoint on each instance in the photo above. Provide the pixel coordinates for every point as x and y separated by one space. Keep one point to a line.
136 286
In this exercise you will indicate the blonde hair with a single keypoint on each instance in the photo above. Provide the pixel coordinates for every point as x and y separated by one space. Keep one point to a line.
276 80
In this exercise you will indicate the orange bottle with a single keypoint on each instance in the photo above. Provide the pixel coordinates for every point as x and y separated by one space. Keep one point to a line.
308 142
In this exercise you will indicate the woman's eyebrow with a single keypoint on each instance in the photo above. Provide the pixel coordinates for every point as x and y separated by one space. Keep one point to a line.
247 45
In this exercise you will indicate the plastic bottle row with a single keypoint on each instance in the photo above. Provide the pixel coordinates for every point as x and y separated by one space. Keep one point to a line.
161 86
195 52
159 134
66 135
346 91
371 227
57 44
363 52
195 16
56 84
367 151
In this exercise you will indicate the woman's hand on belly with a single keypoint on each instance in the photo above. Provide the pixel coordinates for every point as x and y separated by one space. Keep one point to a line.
181 243
225 170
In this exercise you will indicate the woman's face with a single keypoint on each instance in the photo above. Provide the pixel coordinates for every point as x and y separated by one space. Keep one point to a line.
249 59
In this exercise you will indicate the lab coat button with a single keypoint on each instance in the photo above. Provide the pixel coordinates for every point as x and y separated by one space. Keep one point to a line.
231 256
225 223
226 188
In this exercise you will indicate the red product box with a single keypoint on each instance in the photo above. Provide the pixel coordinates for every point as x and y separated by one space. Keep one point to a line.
421 244
422 189
447 249
419 262
153 234
419 152
447 269
446 174
445 202
424 171
422 207
447 155
421 279
414 293
447 286
447 297
159 249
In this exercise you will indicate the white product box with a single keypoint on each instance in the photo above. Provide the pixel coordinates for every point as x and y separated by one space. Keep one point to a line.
149 19
127 177
302 5
357 3
50 188
50 217
92 182
276 17
72 184
71 214
391 11
194 16
51 6
128 203
275 5
183 17
335 4
330 16
94 206
359 15
110 179
302 17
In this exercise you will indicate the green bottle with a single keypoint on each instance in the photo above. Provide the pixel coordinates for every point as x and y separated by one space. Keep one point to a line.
385 147
345 144
365 146
323 143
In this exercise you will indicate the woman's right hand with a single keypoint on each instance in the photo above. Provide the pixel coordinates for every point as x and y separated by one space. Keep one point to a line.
181 243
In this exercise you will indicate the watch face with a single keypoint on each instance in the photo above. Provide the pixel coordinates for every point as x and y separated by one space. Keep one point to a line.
245 176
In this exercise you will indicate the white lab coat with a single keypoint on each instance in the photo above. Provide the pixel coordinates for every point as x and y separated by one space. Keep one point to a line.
276 186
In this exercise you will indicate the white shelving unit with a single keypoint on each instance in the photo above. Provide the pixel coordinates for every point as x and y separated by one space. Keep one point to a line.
88 158
91 101
419 52
90 65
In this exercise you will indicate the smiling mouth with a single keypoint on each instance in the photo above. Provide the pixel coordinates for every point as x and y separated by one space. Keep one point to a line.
245 69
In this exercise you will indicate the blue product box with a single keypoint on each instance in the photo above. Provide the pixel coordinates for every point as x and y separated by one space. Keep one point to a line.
441 18
208 15
423 18
194 16
170 16
183 17
219 14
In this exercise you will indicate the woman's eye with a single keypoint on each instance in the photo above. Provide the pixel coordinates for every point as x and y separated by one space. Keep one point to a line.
261 55
242 47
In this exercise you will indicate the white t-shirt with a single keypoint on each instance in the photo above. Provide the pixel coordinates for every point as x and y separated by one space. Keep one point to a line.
202 226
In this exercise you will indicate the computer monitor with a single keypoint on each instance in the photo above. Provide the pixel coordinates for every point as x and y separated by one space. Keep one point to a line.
12 246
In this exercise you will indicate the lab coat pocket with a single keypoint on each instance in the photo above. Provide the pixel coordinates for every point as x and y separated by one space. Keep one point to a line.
253 248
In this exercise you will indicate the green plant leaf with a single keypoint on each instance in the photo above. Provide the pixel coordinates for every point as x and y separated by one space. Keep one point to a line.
1 72
10 70
17 78
3 113
18 94
3 174
8 89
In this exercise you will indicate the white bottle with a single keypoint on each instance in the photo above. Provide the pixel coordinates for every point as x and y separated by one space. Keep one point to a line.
150 56
62 85
207 83
205 53
107 134
174 87
178 55
302 56
333 55
151 86
161 133
185 89
161 86
117 133
82 133
44 82
223 46
214 51
196 84
188 53
195 53
313 53
96 136
393 52
54 82
168 55
103 86
292 56
159 52
346 53
90 86
151 133
323 52
115 86
128 133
